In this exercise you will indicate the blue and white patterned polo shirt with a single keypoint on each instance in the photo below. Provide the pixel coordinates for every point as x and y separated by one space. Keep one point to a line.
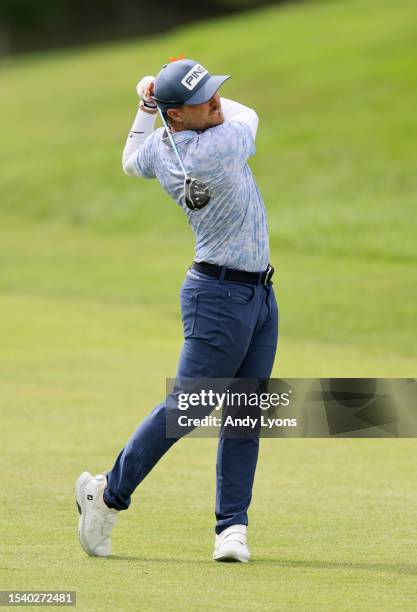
232 229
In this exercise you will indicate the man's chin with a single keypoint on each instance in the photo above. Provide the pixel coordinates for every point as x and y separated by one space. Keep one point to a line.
215 120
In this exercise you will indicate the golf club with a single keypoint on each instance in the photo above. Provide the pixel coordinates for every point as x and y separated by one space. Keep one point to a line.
196 193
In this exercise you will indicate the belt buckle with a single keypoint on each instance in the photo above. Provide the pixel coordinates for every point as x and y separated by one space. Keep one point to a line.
268 274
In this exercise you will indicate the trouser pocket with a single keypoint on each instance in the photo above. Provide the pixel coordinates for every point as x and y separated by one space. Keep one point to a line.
239 294
226 311
200 313
188 311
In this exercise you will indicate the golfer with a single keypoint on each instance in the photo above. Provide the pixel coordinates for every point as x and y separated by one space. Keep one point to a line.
229 311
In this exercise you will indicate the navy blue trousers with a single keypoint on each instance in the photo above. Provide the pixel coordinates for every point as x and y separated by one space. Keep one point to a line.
230 330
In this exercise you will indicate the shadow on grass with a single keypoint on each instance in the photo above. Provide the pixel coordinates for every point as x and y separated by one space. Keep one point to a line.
396 568
157 560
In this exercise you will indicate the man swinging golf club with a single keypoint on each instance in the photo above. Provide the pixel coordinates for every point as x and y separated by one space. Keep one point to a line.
229 311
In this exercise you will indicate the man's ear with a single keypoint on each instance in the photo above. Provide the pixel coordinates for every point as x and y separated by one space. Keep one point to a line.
174 115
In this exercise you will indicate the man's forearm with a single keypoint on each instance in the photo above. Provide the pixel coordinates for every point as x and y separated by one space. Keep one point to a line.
142 127
234 111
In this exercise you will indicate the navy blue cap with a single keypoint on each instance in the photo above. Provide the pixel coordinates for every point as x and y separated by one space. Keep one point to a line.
185 82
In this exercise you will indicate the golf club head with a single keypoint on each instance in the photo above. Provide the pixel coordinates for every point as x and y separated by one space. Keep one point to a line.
197 194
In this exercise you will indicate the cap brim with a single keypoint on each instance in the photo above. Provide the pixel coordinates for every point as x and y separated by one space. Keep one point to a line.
207 90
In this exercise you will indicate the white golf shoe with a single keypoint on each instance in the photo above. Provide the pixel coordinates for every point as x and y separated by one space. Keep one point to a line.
230 545
96 519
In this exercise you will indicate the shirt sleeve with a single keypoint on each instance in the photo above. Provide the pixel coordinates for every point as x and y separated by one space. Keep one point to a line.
234 111
143 159
139 151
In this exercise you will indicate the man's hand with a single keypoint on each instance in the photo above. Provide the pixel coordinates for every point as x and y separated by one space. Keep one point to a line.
145 90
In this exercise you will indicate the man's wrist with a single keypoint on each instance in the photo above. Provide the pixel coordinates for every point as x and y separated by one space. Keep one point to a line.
152 110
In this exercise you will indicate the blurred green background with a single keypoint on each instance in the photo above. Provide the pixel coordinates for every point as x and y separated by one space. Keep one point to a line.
336 164
27 26
91 264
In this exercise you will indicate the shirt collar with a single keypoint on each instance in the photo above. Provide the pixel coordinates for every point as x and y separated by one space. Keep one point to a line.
179 137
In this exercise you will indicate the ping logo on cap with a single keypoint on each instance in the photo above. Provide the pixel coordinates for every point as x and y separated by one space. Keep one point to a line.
194 76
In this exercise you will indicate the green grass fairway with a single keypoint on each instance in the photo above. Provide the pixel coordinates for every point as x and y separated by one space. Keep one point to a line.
91 264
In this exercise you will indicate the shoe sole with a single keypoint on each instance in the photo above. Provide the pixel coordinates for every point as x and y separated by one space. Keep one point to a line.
230 557
80 486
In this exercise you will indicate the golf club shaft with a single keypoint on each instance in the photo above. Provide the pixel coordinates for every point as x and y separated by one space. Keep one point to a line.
172 142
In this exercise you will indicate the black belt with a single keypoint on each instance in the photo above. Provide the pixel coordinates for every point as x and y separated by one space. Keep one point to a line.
237 276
